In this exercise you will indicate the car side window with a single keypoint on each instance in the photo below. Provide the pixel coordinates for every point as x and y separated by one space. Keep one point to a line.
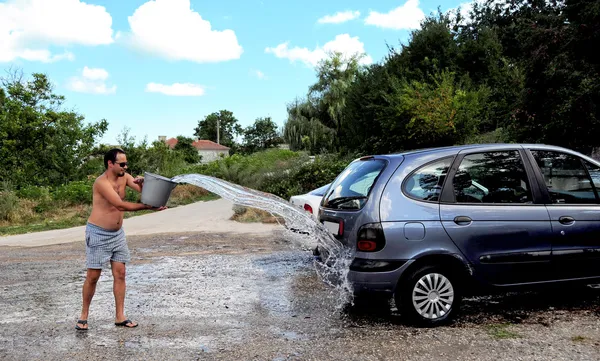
566 177
594 172
492 177
426 182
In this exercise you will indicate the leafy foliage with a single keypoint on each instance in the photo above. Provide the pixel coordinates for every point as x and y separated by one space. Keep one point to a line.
261 135
228 127
40 143
187 150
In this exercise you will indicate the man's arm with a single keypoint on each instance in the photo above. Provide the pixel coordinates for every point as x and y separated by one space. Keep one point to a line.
135 184
113 198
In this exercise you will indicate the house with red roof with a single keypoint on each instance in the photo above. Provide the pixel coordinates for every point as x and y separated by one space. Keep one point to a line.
207 149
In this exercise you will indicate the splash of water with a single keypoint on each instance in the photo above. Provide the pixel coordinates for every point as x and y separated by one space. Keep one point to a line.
302 227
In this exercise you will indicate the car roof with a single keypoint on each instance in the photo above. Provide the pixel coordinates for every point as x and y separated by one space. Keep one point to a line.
476 147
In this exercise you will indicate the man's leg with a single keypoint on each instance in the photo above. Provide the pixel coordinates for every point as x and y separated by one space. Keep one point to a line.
89 288
118 271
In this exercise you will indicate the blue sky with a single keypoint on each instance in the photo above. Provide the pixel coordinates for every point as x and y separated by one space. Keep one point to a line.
159 66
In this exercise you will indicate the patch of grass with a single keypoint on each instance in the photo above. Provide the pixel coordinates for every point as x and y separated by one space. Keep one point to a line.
61 214
501 331
39 227
188 193
253 215
578 338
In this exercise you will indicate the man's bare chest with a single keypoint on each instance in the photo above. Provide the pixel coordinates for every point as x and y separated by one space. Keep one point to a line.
119 189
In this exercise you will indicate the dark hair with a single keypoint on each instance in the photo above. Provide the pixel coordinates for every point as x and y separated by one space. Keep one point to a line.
112 156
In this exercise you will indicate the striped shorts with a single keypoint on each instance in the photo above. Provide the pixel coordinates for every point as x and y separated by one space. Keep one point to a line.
103 245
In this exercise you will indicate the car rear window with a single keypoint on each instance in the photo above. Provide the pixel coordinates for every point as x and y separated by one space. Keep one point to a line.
351 188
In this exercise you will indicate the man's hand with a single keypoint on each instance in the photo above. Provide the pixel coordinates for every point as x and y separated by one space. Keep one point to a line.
162 208
139 180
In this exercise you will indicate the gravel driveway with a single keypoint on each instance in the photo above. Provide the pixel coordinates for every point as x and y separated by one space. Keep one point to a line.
228 296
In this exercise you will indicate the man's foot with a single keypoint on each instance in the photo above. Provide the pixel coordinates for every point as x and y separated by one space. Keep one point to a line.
126 323
82 325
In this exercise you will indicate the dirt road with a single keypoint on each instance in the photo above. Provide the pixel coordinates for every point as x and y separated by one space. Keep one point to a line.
241 296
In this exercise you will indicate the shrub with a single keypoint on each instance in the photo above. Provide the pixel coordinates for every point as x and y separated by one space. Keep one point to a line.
131 195
44 205
9 204
78 192
318 173
239 210
280 184
33 192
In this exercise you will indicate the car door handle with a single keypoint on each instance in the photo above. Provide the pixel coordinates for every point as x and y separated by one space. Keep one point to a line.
462 220
566 220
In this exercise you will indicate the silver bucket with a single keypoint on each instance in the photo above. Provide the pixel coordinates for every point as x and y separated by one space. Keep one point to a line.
156 190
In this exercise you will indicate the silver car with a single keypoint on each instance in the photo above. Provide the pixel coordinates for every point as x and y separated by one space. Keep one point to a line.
429 226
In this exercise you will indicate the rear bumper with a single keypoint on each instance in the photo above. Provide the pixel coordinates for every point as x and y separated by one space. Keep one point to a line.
376 276
370 275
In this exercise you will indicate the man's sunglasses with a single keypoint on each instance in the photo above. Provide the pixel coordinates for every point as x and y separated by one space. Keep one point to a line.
122 164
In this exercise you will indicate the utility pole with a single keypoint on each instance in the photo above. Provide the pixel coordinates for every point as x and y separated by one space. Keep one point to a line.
218 126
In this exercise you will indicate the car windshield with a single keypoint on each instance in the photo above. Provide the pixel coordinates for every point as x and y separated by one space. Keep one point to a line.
352 187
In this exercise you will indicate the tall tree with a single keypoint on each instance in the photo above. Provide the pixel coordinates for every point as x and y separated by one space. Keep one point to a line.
40 143
229 127
553 42
261 135
304 131
335 75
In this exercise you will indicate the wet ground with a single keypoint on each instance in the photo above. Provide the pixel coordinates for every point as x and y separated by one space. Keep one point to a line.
228 297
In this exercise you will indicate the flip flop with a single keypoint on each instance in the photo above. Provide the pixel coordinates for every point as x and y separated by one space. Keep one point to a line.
83 322
125 324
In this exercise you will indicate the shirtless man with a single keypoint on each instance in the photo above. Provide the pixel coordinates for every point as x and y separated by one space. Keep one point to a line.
104 237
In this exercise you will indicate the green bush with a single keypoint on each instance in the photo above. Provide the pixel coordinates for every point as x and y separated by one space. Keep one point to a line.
33 192
78 192
44 205
304 177
318 173
280 184
131 195
9 203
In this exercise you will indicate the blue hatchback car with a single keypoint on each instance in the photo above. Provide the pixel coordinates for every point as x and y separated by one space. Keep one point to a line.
428 226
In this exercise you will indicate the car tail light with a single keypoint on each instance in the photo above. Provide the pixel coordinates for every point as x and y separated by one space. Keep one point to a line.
370 238
308 208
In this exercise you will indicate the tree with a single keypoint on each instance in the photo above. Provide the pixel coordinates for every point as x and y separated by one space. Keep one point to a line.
187 150
137 154
334 78
228 128
435 113
553 41
40 143
303 130
261 135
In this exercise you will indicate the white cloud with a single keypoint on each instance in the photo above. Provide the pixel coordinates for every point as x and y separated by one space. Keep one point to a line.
467 7
29 27
342 43
172 30
95 73
176 89
407 16
92 81
339 17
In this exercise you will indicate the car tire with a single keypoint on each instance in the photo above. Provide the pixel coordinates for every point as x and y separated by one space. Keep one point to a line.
429 296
